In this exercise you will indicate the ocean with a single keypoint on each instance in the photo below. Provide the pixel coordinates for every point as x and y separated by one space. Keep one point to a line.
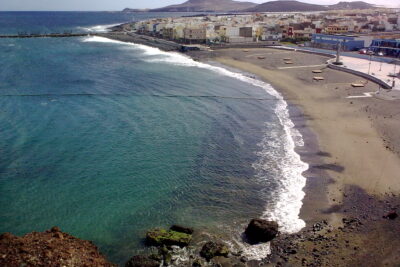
107 140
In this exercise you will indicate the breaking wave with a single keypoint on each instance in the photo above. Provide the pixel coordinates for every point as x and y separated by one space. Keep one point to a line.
98 28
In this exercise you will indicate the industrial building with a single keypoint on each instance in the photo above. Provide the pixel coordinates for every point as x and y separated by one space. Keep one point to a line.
390 47
348 42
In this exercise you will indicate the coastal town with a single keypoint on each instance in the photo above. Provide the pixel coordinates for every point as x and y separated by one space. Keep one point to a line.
378 29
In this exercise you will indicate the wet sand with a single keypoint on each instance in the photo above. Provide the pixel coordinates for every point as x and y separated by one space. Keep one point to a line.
353 148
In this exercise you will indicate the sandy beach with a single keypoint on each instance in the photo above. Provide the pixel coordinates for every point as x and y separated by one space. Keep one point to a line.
346 130
354 158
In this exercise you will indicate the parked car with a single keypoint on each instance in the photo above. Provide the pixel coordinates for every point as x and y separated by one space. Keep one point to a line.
380 53
362 51
371 53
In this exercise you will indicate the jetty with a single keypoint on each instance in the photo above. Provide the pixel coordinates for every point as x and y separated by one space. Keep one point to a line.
128 37
131 37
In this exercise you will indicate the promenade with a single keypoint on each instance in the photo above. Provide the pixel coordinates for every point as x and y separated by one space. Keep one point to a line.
378 69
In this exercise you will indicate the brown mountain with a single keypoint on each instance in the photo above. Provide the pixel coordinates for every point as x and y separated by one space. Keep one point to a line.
207 6
286 6
296 6
271 6
351 5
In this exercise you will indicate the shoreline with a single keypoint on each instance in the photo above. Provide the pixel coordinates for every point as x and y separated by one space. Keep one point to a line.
307 152
336 182
335 177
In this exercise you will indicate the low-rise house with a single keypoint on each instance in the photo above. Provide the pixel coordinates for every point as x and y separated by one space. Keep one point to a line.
337 29
192 34
271 34
246 32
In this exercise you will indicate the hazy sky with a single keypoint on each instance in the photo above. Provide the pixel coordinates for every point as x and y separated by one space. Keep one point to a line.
120 4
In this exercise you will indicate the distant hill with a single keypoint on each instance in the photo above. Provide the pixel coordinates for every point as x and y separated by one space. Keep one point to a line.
136 10
207 6
271 6
296 6
351 5
286 6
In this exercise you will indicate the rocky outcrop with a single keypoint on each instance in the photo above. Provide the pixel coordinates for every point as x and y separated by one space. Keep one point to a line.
142 261
162 237
50 248
212 249
197 263
260 230
391 215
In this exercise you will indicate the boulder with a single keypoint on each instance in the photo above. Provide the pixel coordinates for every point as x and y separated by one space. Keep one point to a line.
225 262
197 263
142 261
212 249
165 254
182 229
391 215
162 237
260 230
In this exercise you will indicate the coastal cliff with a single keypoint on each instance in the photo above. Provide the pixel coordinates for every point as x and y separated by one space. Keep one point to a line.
50 248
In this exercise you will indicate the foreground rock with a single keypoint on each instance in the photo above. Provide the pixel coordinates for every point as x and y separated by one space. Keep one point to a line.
162 237
391 215
142 261
212 249
50 248
260 230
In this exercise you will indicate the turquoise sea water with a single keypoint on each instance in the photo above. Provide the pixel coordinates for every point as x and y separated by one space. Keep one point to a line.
107 140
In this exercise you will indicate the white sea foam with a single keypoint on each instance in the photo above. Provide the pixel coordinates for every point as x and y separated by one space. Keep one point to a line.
101 40
98 28
289 167
251 252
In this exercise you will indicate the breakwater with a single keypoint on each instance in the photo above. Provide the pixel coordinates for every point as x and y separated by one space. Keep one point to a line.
164 45
129 37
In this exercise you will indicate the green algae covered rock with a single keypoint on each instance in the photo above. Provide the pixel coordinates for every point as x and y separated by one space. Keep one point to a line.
161 237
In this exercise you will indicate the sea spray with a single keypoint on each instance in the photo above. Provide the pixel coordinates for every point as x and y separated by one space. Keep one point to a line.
98 28
288 200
